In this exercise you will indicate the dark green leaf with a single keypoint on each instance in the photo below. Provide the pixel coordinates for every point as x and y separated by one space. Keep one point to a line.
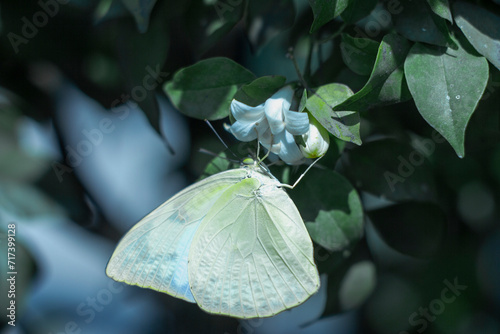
326 10
358 9
418 23
207 23
205 90
266 19
413 228
141 10
331 208
482 29
342 124
441 8
386 84
403 172
359 54
446 86
259 90
218 164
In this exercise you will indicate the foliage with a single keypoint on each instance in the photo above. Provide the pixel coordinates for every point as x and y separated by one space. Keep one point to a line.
408 91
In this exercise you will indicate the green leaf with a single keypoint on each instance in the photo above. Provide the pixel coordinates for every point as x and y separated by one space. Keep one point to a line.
218 164
206 23
418 23
403 172
266 19
342 124
259 90
205 90
441 8
446 85
326 10
359 54
482 29
357 9
331 208
141 10
386 84
413 228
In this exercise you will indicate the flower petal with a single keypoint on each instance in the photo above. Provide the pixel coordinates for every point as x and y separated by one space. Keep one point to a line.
289 152
244 131
245 113
275 106
297 123
269 141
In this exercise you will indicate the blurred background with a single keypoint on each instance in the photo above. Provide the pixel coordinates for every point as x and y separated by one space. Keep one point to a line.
89 144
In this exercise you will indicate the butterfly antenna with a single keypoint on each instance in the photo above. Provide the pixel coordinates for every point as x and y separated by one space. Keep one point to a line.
222 141
301 176
202 150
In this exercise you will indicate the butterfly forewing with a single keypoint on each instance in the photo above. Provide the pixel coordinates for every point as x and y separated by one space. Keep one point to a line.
252 255
154 253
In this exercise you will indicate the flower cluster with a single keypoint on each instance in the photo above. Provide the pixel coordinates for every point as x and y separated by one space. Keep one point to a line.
273 123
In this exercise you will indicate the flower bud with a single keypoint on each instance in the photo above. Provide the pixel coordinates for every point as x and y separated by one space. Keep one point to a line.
316 140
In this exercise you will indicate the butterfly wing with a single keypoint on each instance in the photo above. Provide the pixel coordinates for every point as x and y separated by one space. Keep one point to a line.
252 255
154 253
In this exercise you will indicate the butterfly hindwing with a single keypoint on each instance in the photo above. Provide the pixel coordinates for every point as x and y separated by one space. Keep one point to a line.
252 255
154 253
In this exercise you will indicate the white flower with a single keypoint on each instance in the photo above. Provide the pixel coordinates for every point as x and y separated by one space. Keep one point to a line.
273 124
316 140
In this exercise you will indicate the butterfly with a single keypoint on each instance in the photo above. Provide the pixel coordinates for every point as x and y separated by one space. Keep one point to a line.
234 243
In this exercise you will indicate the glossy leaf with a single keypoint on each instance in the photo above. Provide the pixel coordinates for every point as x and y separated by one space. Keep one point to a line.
403 172
342 124
482 29
259 90
446 85
205 90
141 10
441 8
386 84
331 208
359 54
412 228
358 9
326 10
418 23
266 19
